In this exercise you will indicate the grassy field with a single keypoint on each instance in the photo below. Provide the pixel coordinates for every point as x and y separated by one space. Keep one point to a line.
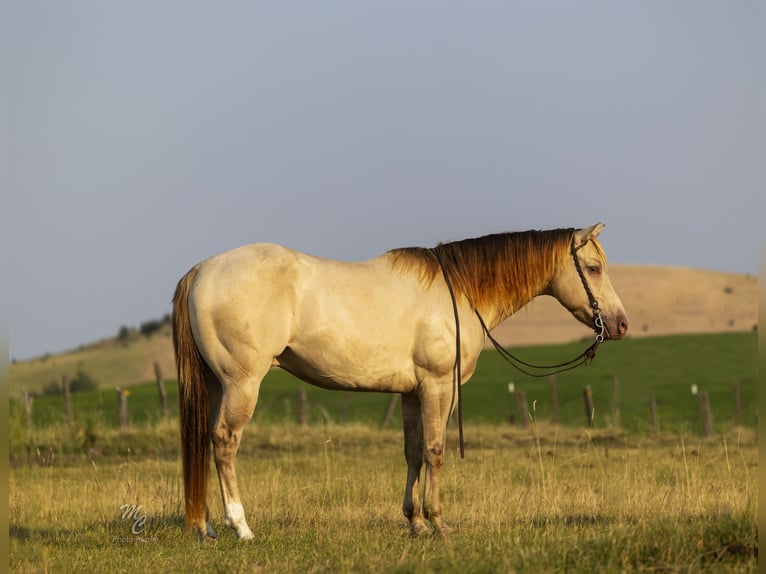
327 498
623 378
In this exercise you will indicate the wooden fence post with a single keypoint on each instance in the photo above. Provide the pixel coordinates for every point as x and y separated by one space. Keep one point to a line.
554 399
707 414
389 412
616 400
588 396
653 413
521 401
161 388
27 409
122 408
344 408
737 405
303 407
67 400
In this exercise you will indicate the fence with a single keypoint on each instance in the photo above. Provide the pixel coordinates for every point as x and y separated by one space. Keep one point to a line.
521 407
596 406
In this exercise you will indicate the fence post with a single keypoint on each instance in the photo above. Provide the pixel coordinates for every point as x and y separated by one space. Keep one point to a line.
303 407
344 408
653 413
161 388
27 409
554 399
616 400
737 405
588 396
67 400
122 408
521 401
389 412
707 415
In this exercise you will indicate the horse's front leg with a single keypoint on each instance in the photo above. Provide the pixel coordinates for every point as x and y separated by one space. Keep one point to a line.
413 453
436 406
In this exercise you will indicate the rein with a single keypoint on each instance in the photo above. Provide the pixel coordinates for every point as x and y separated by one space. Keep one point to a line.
457 371
585 357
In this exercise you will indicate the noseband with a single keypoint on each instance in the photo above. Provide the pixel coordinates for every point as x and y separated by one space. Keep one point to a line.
586 356
597 321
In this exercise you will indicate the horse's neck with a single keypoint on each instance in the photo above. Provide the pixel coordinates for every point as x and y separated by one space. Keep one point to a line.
493 316
507 304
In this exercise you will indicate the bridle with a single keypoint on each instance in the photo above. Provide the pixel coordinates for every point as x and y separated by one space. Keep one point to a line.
585 357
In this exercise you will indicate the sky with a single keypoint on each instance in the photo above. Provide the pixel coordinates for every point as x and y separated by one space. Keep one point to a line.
138 138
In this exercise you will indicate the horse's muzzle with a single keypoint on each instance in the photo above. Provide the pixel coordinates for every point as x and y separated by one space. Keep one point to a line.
616 326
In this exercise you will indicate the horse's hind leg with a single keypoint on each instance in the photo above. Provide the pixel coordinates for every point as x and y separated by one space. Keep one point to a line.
237 402
413 453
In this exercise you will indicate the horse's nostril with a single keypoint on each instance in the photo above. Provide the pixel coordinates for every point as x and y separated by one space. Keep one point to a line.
623 326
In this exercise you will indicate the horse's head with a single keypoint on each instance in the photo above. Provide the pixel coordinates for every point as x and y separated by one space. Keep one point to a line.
569 285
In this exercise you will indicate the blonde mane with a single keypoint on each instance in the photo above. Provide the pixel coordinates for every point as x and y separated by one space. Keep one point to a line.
502 272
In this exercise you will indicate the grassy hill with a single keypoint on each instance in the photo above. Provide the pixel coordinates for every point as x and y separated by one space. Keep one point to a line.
659 301
110 363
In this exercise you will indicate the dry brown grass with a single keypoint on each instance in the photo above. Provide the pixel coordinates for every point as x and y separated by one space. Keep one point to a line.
327 500
658 300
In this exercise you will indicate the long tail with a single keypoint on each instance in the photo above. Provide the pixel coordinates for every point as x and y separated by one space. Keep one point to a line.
193 403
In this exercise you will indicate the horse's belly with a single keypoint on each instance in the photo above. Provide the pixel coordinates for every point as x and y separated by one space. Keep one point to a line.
348 372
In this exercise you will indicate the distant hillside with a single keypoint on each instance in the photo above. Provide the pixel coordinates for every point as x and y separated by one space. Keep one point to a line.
110 363
659 301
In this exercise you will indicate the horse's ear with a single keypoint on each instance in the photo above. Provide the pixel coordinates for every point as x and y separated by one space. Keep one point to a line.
582 236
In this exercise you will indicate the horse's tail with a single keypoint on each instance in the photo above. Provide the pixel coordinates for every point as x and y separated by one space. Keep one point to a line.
193 406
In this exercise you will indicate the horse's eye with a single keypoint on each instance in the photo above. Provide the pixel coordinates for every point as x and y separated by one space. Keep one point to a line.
594 269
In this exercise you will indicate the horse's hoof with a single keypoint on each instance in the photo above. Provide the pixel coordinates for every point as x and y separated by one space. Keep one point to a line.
246 534
442 531
418 529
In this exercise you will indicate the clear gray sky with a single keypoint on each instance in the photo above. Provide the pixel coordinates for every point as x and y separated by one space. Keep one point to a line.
141 137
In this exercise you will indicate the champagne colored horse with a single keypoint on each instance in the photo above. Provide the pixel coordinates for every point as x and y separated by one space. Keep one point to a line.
386 324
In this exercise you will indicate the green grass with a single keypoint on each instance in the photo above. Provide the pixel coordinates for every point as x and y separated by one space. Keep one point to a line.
665 367
326 499
623 377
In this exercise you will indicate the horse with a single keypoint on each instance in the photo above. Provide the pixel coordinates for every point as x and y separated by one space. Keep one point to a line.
388 324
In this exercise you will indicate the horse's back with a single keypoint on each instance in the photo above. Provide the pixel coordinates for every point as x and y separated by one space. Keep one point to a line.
353 322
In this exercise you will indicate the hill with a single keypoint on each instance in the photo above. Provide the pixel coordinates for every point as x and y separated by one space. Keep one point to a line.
659 301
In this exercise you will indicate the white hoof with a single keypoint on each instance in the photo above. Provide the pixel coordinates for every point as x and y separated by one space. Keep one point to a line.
245 533
235 517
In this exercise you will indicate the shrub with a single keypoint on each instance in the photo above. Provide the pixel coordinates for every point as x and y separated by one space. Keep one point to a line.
53 388
124 334
149 327
82 381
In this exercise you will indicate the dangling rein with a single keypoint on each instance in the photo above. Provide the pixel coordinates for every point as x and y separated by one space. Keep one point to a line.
586 356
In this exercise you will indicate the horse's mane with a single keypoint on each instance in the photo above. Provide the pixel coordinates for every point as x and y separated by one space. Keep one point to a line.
502 272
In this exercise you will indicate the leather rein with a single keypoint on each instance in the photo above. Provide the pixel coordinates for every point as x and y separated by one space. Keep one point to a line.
586 356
